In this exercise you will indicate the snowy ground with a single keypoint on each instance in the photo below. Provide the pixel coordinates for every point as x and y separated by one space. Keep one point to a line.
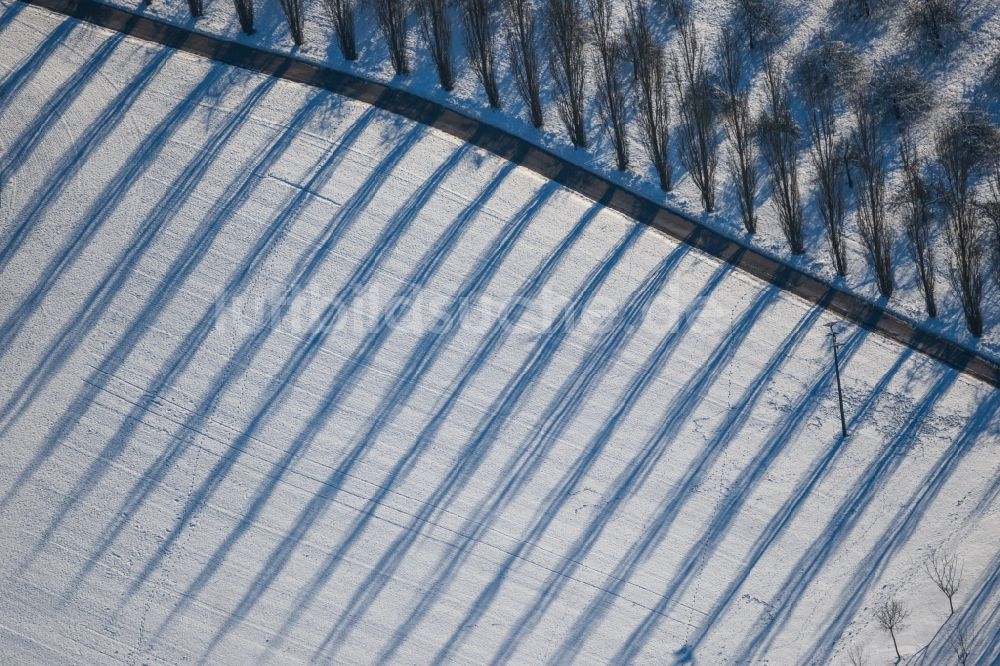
959 76
288 378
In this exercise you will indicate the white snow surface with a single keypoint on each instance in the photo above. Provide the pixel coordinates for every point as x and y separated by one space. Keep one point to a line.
959 75
286 378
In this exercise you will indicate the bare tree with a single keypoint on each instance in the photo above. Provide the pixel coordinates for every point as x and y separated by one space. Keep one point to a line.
432 16
963 145
480 43
244 12
741 158
960 644
902 92
612 94
914 200
933 20
565 24
649 70
699 131
391 18
857 656
342 14
196 7
873 224
991 207
946 572
762 20
522 41
295 19
891 615
779 142
823 74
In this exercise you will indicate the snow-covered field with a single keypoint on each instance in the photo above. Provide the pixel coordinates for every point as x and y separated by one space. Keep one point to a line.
958 75
288 378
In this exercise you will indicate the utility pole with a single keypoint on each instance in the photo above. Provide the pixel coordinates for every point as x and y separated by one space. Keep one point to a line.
836 366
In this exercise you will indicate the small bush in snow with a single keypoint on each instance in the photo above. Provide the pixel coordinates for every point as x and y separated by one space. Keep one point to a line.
914 201
342 14
391 18
522 44
432 16
902 91
945 571
891 615
935 20
649 69
741 159
480 44
779 143
832 65
566 29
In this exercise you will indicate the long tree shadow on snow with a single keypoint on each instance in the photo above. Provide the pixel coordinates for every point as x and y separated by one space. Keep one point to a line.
474 453
903 524
844 518
678 412
421 360
280 386
122 267
788 510
99 299
186 262
626 482
340 386
561 410
25 143
306 265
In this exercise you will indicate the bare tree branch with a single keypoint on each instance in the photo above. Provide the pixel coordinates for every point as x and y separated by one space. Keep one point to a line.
914 200
480 43
891 615
876 234
342 14
699 140
391 18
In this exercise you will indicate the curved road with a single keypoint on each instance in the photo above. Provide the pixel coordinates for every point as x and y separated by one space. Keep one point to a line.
522 152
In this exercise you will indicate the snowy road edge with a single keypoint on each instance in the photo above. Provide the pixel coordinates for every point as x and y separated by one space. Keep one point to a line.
851 307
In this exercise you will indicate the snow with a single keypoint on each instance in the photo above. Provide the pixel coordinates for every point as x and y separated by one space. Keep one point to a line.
959 75
290 378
